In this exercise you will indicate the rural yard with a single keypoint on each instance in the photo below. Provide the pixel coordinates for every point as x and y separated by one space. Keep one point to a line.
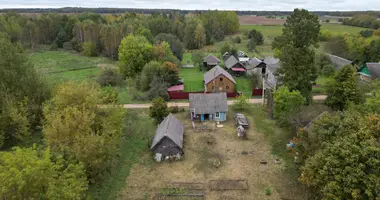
217 164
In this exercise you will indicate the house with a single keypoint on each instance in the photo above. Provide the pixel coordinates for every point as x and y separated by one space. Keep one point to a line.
338 62
369 71
210 61
219 80
168 140
271 79
234 66
208 106
255 66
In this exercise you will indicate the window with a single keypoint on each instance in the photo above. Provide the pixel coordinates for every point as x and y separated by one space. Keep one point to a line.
213 87
227 87
220 79
217 115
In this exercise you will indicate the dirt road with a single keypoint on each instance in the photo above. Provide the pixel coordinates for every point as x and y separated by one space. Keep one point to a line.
186 104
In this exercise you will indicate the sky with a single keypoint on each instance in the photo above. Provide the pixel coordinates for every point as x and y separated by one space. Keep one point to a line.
283 5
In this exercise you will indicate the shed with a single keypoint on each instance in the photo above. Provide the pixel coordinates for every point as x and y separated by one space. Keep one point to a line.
255 66
168 140
219 80
234 66
210 61
212 106
370 71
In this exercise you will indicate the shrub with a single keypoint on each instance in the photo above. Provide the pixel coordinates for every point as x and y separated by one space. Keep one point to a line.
53 47
89 49
158 88
109 94
109 77
286 103
237 39
251 45
325 35
268 191
241 103
366 33
76 45
158 110
328 70
377 32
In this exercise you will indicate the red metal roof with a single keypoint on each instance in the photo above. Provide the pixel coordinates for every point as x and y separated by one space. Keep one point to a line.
238 69
176 88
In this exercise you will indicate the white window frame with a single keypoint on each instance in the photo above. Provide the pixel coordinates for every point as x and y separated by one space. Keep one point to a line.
217 115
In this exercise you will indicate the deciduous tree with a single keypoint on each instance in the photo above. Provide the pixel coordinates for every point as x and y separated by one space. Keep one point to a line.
158 110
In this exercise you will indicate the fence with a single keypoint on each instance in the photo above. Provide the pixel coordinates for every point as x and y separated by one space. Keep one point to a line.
257 92
185 95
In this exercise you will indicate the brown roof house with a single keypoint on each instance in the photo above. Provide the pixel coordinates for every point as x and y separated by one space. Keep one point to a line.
168 140
208 106
234 66
218 80
210 61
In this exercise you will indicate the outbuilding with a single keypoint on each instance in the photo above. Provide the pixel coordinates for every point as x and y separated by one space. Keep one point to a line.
212 106
168 140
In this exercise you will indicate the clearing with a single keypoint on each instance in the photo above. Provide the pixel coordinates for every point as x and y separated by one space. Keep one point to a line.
60 66
219 165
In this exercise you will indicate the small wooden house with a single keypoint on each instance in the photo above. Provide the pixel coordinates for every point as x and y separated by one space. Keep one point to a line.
234 66
212 106
168 140
210 61
219 80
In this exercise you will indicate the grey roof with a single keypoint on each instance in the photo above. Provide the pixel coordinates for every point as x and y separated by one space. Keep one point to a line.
374 69
211 60
170 128
215 72
338 62
202 103
230 62
271 60
254 62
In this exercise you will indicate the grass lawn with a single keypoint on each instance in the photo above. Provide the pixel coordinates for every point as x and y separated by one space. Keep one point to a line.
138 133
193 79
320 87
244 85
57 66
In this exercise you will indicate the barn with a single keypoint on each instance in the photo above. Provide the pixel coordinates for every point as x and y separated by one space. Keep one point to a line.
168 140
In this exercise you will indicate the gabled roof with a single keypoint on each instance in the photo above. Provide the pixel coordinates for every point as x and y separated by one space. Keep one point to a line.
230 62
170 128
374 69
253 62
215 72
211 60
202 103
338 62
271 60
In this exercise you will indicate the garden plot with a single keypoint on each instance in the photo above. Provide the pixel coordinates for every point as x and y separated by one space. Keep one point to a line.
216 154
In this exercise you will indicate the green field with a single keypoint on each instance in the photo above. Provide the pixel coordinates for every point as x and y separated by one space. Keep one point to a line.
60 66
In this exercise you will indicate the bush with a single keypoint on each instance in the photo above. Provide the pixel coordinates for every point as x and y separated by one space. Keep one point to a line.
286 104
328 70
53 47
241 103
325 35
268 191
89 49
237 39
366 33
109 94
377 32
158 110
109 77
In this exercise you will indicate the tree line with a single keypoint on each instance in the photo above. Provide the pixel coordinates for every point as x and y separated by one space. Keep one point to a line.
95 34
366 21
184 12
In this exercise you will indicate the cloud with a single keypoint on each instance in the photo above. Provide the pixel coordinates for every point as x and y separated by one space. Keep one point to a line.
332 5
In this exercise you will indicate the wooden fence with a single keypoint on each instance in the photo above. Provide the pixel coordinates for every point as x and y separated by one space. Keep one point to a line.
185 95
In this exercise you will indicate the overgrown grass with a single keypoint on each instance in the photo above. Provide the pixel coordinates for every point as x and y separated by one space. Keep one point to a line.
139 129
244 85
321 85
57 66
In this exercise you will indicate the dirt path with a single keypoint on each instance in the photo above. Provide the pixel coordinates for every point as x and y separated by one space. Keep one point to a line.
185 104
